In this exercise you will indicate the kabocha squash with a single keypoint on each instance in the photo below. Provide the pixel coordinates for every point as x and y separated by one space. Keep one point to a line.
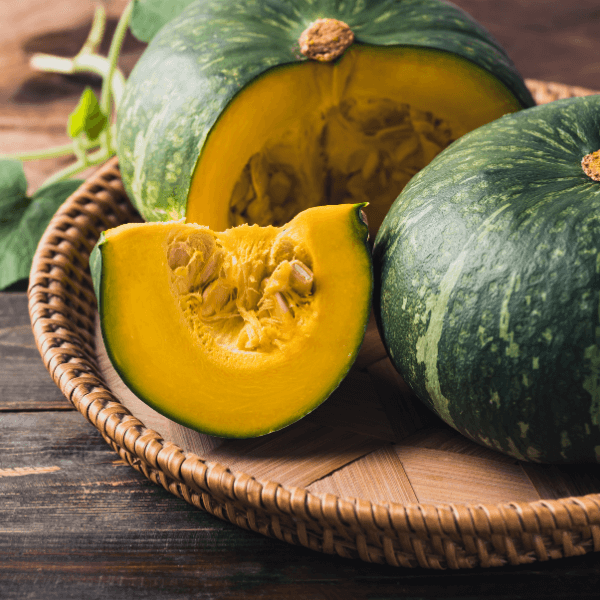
240 333
249 112
488 283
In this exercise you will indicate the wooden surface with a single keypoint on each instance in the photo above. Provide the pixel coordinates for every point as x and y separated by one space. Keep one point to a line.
371 440
75 522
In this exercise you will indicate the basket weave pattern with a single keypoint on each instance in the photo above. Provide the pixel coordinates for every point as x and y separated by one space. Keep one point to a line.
62 307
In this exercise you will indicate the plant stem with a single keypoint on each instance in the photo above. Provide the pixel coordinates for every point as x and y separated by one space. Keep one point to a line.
95 158
94 38
40 154
113 85
113 56
82 63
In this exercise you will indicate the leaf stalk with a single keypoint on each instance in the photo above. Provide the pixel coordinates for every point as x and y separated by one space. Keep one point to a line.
87 60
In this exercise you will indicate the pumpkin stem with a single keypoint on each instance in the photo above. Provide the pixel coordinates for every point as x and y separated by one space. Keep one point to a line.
590 164
325 39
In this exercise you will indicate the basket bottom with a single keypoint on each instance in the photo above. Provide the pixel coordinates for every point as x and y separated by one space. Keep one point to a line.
348 447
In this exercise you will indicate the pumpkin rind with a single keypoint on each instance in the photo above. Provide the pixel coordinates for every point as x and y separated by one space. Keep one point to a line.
201 60
488 284
183 347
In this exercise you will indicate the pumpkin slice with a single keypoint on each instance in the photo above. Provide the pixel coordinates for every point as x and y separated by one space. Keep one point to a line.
239 333
279 106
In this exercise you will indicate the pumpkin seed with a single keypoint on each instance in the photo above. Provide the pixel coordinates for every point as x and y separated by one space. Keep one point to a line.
282 308
215 296
210 268
370 137
203 243
180 283
301 278
178 255
252 274
253 328
280 278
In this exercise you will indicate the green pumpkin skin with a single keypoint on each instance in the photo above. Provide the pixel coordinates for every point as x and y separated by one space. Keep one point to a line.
488 284
197 63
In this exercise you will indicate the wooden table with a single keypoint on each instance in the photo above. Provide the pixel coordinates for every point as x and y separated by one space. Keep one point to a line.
77 522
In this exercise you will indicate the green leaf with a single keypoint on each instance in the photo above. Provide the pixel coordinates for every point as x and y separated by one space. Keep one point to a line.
13 186
87 117
23 220
150 15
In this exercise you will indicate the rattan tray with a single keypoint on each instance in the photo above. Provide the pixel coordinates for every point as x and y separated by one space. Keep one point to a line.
344 479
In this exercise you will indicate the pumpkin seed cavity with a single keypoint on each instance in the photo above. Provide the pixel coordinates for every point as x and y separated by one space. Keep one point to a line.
250 300
359 151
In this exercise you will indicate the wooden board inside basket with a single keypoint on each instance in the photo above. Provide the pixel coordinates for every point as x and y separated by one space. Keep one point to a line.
372 439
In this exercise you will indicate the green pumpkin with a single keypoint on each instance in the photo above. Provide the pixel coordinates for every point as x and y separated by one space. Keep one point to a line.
488 283
225 121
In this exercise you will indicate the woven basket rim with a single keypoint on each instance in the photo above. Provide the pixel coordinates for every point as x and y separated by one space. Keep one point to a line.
62 310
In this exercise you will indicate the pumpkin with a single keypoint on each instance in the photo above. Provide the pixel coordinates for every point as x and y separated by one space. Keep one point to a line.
488 283
250 112
240 333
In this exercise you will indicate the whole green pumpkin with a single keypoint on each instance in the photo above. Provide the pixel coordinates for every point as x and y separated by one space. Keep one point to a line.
231 116
488 283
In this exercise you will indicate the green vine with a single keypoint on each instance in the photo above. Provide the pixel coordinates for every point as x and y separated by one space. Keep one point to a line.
91 126
93 134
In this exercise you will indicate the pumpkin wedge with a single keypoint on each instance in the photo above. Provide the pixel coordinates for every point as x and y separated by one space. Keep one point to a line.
250 112
239 333
488 283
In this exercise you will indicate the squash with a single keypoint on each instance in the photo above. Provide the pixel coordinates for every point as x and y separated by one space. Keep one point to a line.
250 112
239 333
487 286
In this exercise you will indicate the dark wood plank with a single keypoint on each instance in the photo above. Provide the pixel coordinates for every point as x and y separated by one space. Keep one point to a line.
553 40
74 519
25 384
94 522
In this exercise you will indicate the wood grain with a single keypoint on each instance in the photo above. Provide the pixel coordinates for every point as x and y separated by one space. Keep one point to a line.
25 384
76 522
553 40
95 528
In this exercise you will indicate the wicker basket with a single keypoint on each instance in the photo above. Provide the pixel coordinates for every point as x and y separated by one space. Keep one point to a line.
343 480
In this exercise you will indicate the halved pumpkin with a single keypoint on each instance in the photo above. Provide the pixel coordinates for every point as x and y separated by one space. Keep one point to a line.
250 112
239 333
346 132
